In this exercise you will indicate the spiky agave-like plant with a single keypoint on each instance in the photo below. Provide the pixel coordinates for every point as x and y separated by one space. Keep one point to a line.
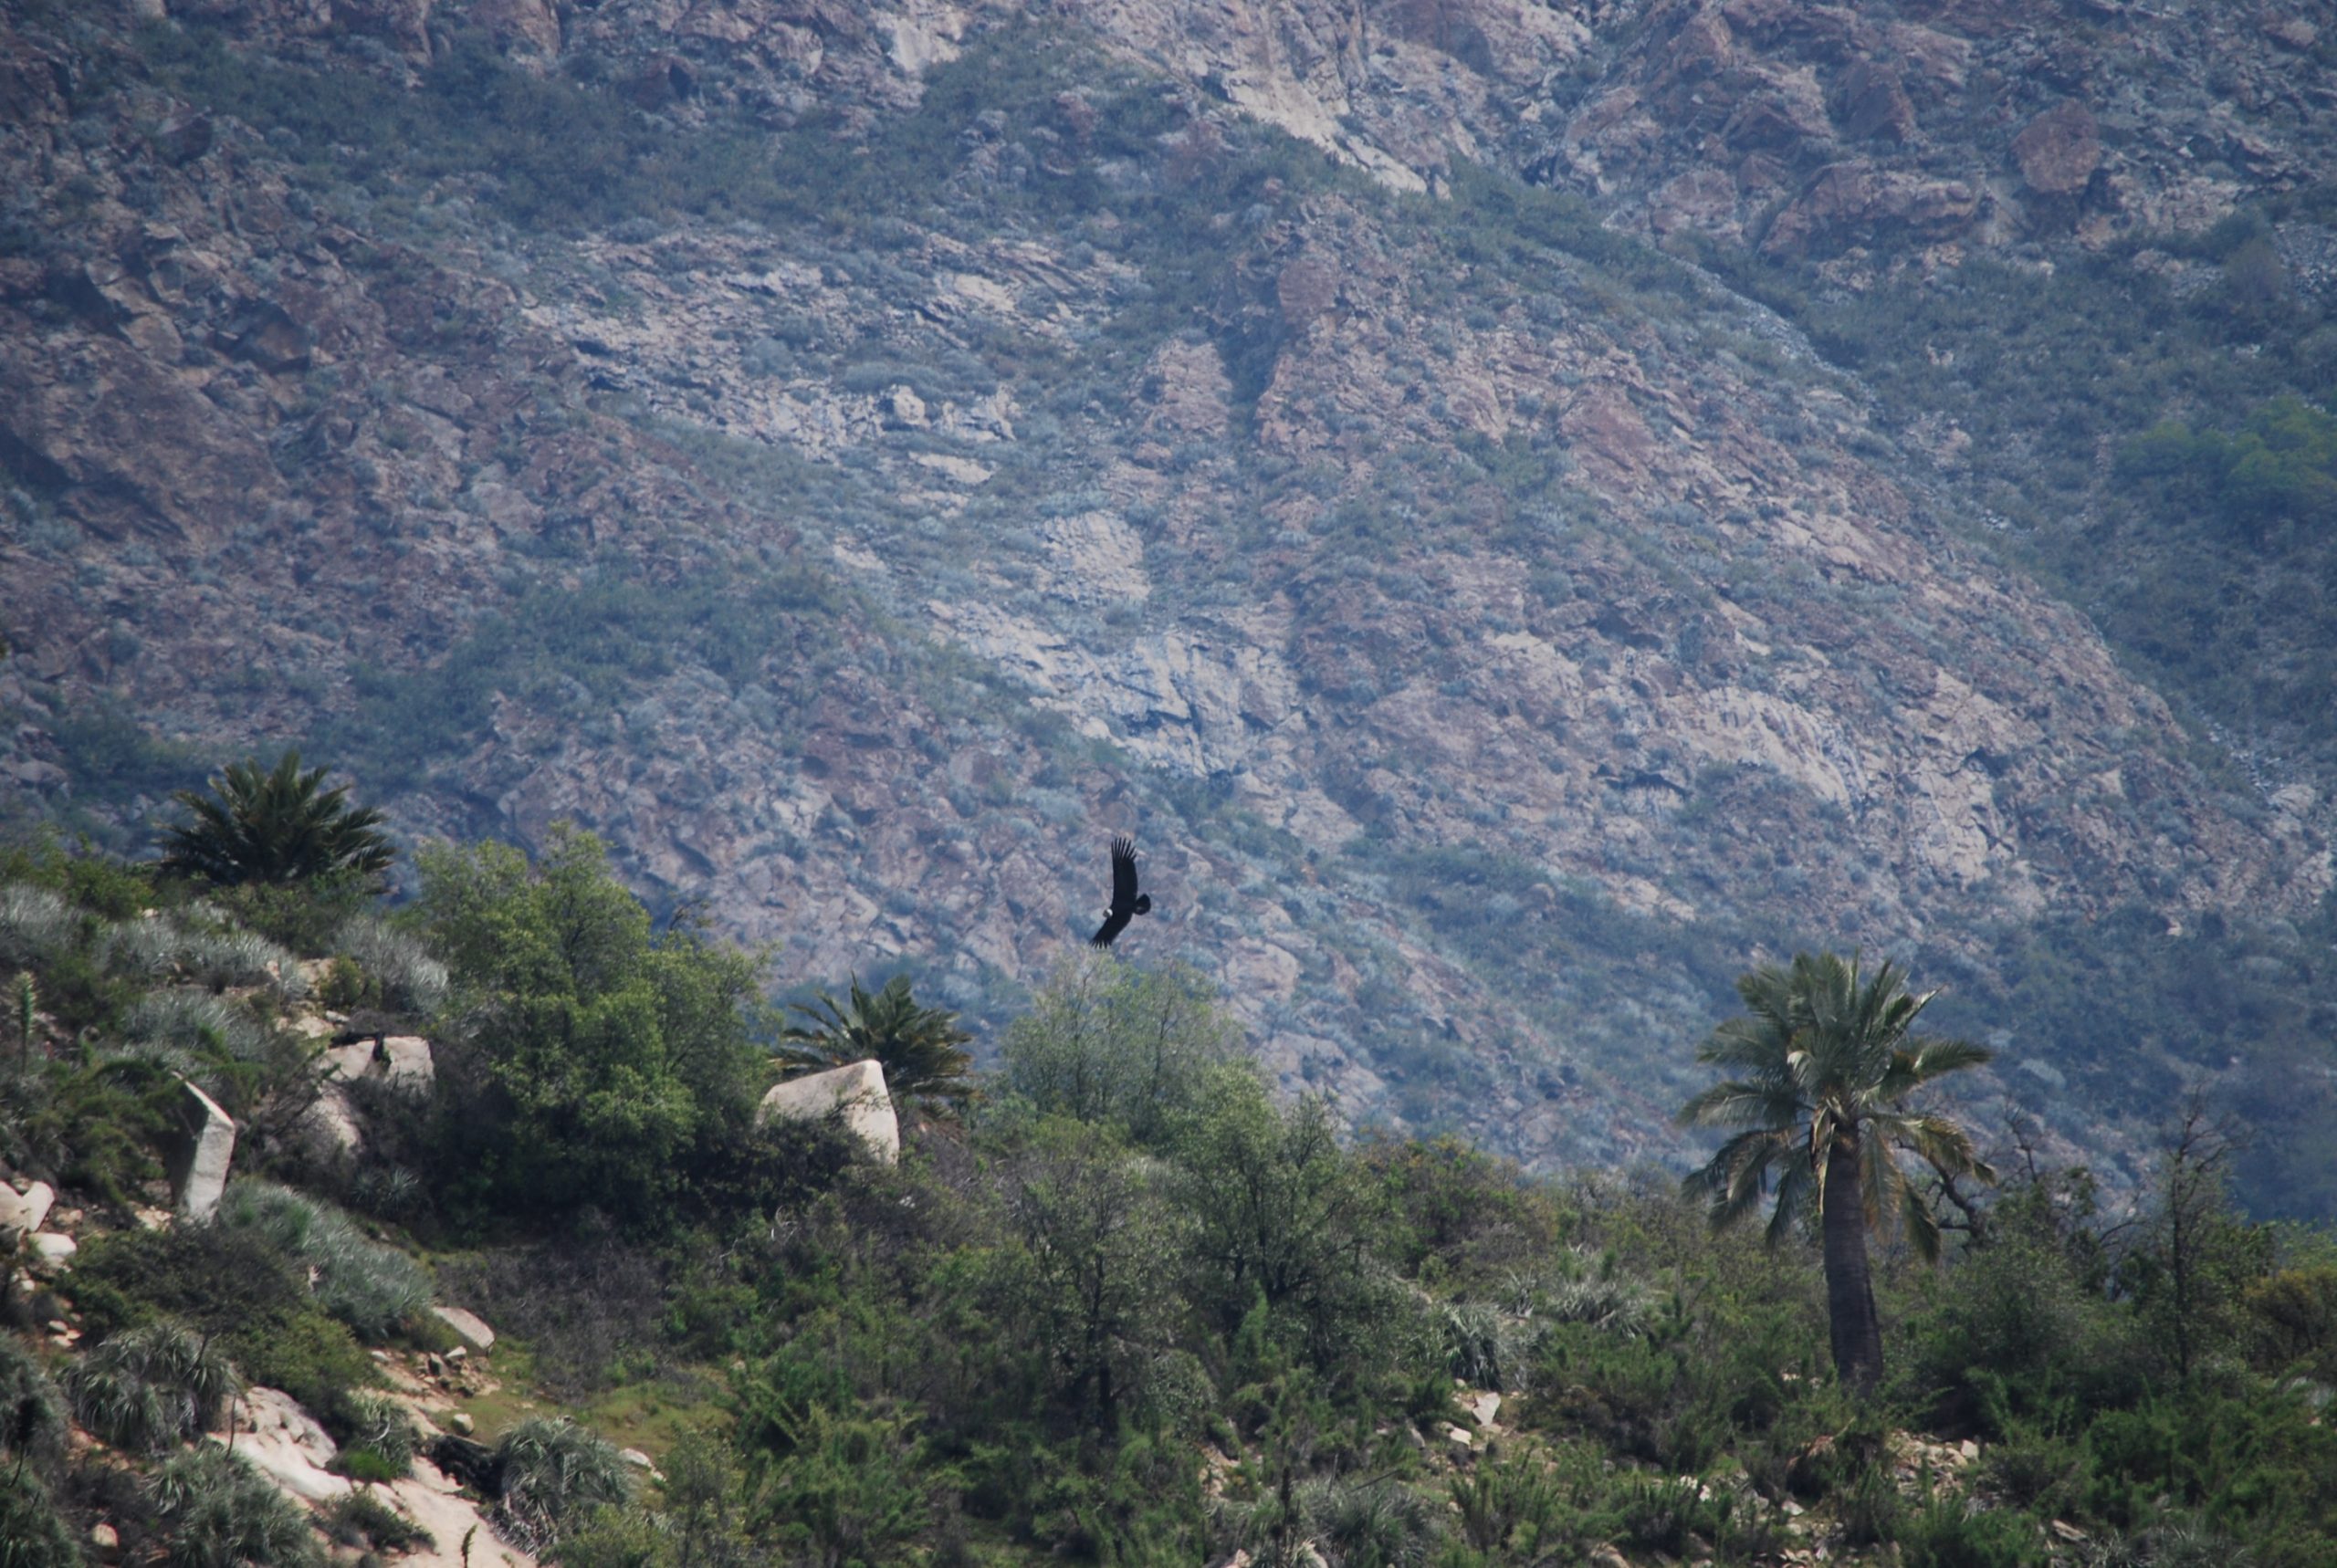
146 1388
216 1511
278 826
555 1472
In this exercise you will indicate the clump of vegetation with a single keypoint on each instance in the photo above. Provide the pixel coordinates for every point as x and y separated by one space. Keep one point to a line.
371 1287
216 1511
555 1473
147 1389
276 826
919 1048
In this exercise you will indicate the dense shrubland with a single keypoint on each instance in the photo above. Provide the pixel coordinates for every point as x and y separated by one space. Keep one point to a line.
1121 1304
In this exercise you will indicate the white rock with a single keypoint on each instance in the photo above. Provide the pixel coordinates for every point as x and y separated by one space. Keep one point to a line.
855 1092
406 1063
51 1253
206 1147
21 1213
475 1331
432 1501
285 1444
1482 1406
347 1063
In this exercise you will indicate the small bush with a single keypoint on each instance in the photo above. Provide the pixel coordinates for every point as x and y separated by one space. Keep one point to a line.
1947 1533
33 1534
147 1388
361 1519
369 1425
404 977
216 1511
36 926
32 1411
1479 1344
555 1473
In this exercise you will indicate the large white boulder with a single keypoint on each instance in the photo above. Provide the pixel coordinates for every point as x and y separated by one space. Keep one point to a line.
856 1093
475 1331
406 1063
21 1213
206 1145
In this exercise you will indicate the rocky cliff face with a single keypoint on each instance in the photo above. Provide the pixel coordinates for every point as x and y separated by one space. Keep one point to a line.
1209 423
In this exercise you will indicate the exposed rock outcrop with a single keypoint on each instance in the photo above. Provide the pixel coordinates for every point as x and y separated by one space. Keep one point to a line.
205 1147
855 1094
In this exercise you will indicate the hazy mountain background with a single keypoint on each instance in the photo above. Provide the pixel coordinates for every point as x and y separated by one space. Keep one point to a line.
1522 509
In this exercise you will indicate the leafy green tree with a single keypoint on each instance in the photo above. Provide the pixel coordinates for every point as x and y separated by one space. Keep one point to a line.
275 827
1829 1056
1099 1235
918 1047
1279 1209
1105 1042
592 1050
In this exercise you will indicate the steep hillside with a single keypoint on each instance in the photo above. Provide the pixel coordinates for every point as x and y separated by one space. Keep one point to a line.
855 459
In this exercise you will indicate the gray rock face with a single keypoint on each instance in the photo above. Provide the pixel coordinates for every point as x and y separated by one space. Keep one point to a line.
198 1165
855 1092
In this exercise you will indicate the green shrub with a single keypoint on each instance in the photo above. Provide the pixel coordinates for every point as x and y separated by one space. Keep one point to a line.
369 1286
1950 1531
1105 1042
216 1511
36 926
235 1287
33 1534
555 1473
309 1356
397 970
32 1411
145 1389
361 1519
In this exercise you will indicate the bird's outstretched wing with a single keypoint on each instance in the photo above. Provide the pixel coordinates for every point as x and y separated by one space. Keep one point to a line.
1123 892
1123 873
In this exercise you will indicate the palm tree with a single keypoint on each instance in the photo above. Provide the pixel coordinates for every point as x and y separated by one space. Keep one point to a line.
278 826
916 1045
1828 1056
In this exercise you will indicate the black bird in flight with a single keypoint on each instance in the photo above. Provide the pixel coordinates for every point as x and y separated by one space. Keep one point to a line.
1127 902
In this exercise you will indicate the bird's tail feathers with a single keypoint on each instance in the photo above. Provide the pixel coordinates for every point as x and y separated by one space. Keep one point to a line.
1144 904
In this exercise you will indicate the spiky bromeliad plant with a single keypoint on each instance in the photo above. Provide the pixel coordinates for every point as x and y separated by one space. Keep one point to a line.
918 1046
275 827
1828 1057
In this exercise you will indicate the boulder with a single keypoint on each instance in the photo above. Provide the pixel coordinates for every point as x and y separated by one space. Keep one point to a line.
2059 149
475 1332
51 1253
856 1094
406 1063
198 1165
21 1213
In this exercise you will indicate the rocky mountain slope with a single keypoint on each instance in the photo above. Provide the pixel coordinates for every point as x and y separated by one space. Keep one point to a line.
854 458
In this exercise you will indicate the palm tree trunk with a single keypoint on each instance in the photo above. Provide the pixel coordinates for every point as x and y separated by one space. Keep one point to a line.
1849 1294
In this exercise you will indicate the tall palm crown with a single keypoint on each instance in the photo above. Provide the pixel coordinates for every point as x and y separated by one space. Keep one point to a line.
1828 1057
916 1045
280 826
